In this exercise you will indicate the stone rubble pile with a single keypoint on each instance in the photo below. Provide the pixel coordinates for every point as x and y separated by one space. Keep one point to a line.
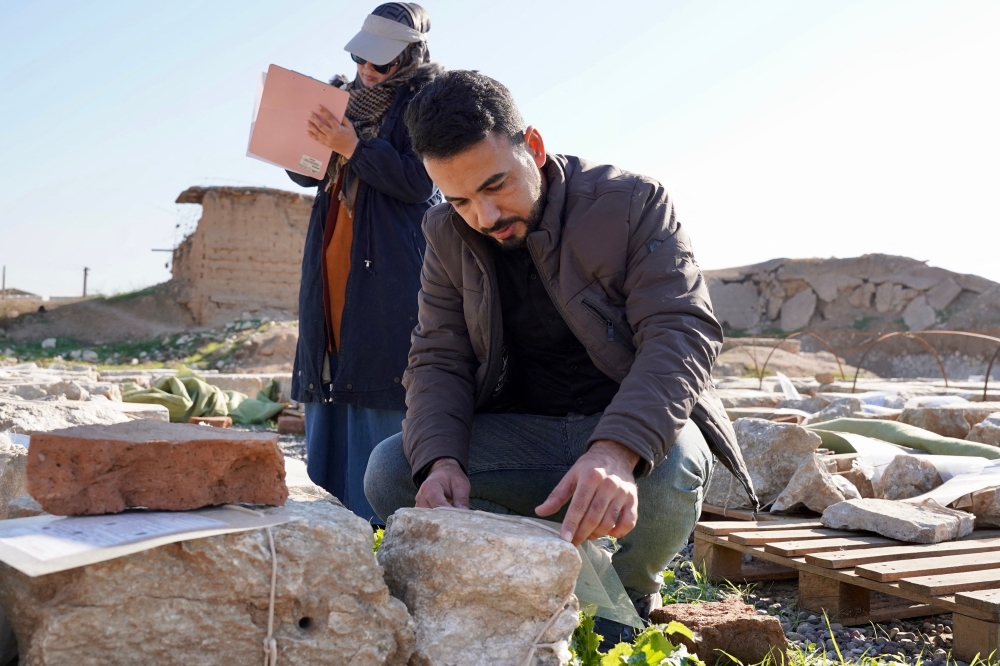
791 475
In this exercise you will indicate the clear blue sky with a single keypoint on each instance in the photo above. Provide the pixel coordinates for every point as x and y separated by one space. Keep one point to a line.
781 127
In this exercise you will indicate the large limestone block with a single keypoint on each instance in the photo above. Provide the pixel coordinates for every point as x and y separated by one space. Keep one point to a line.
728 627
748 398
986 431
205 602
918 315
13 475
480 587
826 285
249 384
899 520
29 417
166 466
941 295
798 310
772 452
949 420
909 476
139 410
813 487
736 304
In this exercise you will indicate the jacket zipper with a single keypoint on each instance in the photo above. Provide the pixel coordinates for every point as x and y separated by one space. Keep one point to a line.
609 322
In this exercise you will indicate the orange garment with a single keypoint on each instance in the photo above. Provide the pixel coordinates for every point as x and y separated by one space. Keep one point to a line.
338 265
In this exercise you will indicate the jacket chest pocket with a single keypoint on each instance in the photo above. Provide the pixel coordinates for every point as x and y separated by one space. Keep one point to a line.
614 332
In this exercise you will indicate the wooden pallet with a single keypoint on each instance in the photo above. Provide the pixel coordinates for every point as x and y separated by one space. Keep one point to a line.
858 577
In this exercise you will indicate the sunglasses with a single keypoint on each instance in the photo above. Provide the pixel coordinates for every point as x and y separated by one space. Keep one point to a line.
381 69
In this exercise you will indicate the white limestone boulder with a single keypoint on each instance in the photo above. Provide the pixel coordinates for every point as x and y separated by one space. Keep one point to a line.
481 588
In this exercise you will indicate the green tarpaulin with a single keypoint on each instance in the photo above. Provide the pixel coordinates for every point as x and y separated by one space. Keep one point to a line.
187 395
903 434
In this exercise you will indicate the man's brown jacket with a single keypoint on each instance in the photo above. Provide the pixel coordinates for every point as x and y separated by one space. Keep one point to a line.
620 269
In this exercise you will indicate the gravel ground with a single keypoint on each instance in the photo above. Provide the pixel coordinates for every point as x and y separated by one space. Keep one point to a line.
927 638
293 446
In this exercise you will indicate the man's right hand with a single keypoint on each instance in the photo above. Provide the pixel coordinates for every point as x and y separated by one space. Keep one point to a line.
446 485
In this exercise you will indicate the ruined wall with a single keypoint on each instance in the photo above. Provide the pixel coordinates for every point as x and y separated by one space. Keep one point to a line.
245 255
852 301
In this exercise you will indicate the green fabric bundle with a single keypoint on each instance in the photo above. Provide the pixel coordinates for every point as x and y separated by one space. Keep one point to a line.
187 395
902 434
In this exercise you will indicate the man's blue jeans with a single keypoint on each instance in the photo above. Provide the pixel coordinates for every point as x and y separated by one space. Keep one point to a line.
515 460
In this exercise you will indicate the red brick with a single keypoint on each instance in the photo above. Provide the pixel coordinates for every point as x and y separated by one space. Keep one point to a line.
214 421
96 469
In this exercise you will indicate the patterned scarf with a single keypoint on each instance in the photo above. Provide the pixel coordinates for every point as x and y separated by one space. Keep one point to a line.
367 110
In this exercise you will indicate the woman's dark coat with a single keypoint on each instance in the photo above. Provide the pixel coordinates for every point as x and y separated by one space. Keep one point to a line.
380 308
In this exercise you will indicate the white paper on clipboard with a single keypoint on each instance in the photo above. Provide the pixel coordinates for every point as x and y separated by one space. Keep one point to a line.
46 544
253 120
283 105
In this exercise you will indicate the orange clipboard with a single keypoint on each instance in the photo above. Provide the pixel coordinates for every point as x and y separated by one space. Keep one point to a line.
278 127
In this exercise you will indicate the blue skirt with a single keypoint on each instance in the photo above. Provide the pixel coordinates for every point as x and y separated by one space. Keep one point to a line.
339 440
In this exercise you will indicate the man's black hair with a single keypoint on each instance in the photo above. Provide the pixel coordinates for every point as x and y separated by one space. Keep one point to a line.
459 109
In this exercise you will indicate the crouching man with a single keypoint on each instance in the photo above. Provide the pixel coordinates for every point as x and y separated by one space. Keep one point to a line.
561 363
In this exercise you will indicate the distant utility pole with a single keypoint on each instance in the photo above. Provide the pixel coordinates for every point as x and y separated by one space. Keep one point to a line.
3 289
85 271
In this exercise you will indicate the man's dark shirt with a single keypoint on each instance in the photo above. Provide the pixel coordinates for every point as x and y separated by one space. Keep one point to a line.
549 371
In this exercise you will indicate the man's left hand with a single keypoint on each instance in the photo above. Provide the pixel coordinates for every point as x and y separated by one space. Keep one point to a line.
339 137
604 496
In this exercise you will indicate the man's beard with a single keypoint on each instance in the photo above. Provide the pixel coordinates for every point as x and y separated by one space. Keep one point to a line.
532 223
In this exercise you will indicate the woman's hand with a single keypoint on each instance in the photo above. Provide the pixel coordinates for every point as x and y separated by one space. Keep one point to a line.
338 137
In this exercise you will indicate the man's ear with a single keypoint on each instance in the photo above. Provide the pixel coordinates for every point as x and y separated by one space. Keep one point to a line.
535 145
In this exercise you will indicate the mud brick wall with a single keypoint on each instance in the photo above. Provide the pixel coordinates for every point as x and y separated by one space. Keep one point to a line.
246 253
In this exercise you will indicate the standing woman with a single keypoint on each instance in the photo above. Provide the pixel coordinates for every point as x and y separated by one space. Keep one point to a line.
363 255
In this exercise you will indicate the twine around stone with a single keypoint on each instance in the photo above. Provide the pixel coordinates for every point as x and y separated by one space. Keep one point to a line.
522 520
270 644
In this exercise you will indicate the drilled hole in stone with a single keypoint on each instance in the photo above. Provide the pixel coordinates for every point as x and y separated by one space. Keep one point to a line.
306 623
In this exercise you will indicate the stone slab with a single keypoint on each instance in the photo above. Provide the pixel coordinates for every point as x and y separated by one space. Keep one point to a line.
138 410
27 417
251 383
164 466
898 520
